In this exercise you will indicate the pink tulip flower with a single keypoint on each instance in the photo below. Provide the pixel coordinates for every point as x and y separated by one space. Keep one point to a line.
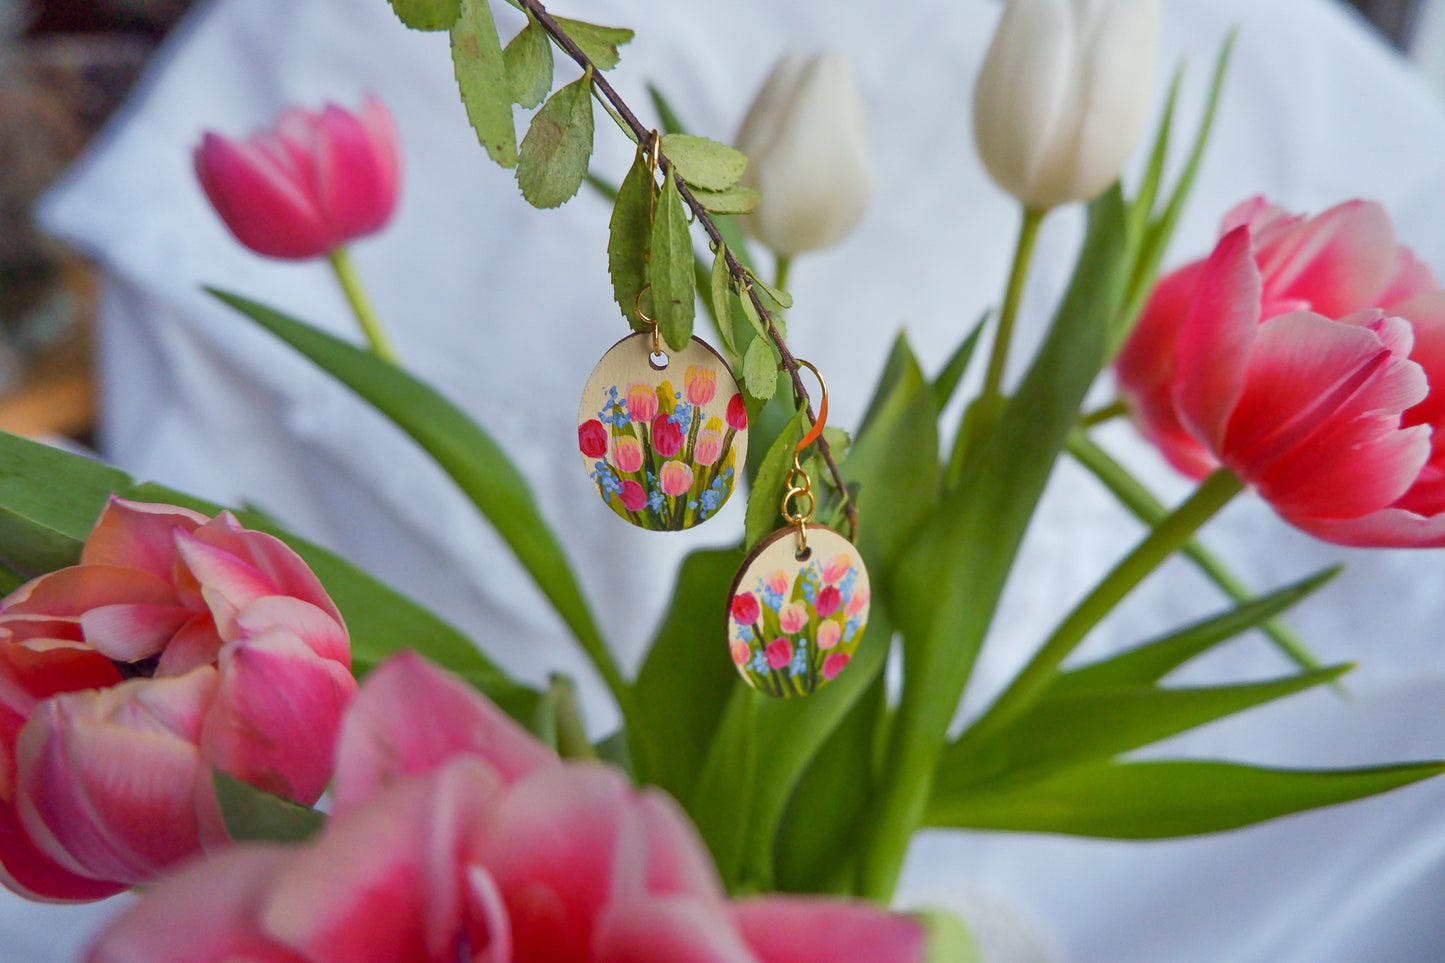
641 403
834 664
792 618
1301 355
737 413
740 651
745 608
828 634
311 184
836 568
667 437
675 478
829 598
779 582
242 663
700 383
457 836
633 496
856 603
592 438
708 448
627 454
778 653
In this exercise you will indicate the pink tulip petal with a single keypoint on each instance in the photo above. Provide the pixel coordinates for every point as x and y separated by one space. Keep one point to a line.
203 914
1390 528
1214 342
130 633
671 930
259 201
489 931
273 562
71 592
1426 314
108 780
138 535
276 715
804 929
196 644
1339 261
1409 277
385 144
356 188
24 869
1313 480
321 633
1265 221
678 861
410 717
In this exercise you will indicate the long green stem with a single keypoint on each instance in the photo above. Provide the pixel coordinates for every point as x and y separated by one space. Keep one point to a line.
1165 539
780 277
346 275
1013 294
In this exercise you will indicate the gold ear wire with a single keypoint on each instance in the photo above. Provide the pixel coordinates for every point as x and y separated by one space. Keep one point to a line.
800 485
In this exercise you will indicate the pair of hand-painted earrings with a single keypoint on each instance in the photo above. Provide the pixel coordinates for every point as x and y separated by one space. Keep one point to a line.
664 438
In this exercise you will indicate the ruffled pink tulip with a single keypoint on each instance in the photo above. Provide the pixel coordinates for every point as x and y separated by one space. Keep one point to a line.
243 665
1301 356
311 184
457 836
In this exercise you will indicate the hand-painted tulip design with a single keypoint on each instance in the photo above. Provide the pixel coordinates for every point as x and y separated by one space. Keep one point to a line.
829 632
1304 356
779 653
675 478
641 403
834 664
806 138
857 602
458 830
836 568
1063 94
627 454
708 448
633 496
241 663
745 608
829 598
313 183
701 384
737 415
741 651
667 437
592 438
792 618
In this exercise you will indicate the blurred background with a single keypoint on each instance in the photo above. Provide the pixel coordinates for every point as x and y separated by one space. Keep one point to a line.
66 65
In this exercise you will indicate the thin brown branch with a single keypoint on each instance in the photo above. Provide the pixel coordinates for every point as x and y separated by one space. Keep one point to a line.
643 135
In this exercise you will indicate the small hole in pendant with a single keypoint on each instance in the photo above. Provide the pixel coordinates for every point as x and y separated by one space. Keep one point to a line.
658 360
804 555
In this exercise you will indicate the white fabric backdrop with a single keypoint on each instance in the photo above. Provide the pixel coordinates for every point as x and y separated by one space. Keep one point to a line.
469 279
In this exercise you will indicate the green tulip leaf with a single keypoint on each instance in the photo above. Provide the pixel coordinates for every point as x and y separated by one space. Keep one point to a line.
674 291
629 236
554 155
427 14
253 815
529 64
1159 800
953 370
49 501
764 513
734 200
760 368
704 163
598 43
481 73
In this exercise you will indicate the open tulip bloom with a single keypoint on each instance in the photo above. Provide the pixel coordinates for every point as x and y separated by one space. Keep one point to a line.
178 684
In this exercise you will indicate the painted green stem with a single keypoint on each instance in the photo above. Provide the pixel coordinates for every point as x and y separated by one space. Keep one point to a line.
1023 253
345 270
1164 540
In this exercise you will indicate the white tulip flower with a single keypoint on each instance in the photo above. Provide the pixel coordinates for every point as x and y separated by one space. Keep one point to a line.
806 140
1063 95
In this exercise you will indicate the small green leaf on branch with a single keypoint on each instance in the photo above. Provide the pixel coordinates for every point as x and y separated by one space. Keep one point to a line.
558 145
778 299
750 311
760 369
427 14
671 269
721 289
481 73
529 64
597 42
629 239
771 482
704 163
734 200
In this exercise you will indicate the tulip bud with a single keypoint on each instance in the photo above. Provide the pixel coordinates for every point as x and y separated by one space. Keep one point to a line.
1063 95
807 145
308 186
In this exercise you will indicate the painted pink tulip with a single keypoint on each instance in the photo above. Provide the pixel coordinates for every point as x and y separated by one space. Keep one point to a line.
708 448
745 608
779 581
311 184
633 496
792 618
856 603
1301 356
740 651
828 634
834 664
592 438
667 437
700 383
829 598
675 477
241 663
737 413
457 836
836 568
627 454
641 403
779 653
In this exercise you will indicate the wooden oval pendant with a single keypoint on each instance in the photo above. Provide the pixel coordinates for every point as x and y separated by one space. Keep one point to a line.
794 622
663 438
